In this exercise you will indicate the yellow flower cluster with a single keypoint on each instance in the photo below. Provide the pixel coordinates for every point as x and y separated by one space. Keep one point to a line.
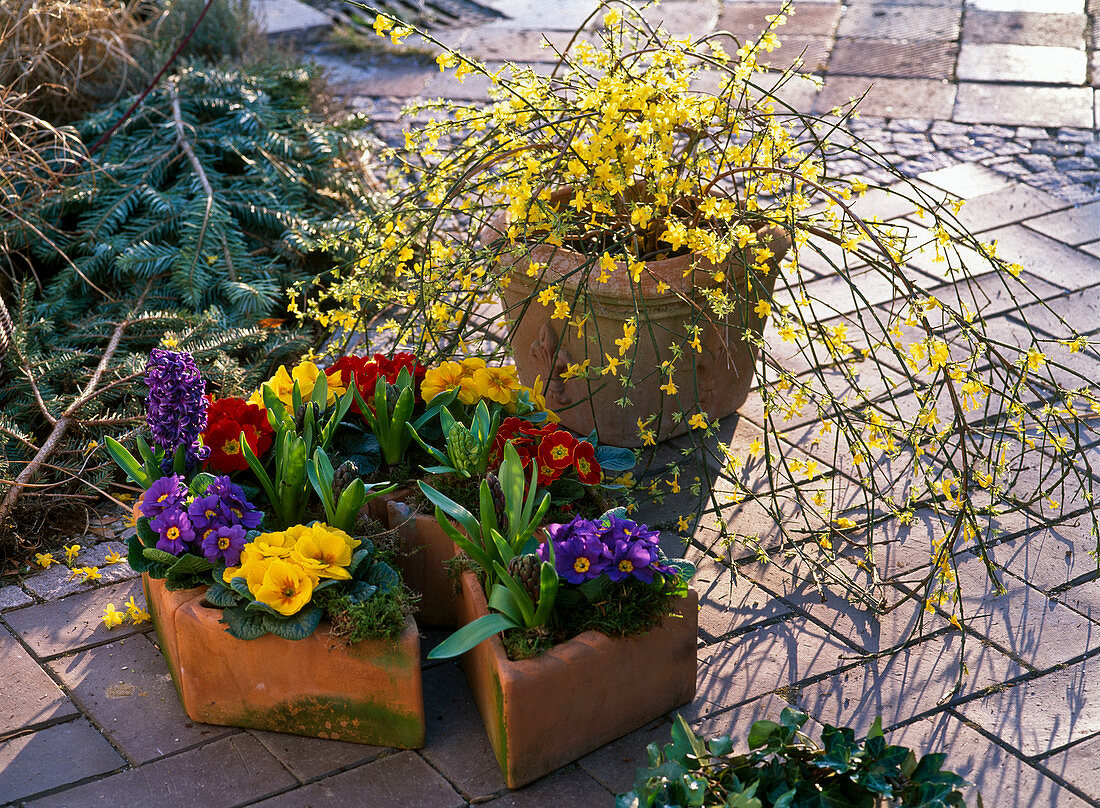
134 613
476 380
306 374
283 567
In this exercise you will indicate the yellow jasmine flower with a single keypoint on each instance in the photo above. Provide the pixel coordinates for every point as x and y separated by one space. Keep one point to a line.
71 552
112 617
844 523
135 612
382 24
682 524
44 560
669 387
613 363
90 574
114 557
763 308
698 421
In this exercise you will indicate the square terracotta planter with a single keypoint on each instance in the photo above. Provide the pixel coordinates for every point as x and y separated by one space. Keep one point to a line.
369 692
162 605
424 566
544 712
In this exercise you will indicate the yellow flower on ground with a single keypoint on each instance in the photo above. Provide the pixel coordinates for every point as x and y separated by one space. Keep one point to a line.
682 524
44 560
71 552
113 617
286 587
114 557
90 574
136 613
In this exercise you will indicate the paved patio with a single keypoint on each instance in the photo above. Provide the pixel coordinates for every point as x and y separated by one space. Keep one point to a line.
89 716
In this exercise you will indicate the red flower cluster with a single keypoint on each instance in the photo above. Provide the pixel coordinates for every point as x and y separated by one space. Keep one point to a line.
366 372
553 449
227 418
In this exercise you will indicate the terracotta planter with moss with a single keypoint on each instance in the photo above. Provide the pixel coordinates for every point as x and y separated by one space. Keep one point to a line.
544 712
669 298
162 605
424 565
369 692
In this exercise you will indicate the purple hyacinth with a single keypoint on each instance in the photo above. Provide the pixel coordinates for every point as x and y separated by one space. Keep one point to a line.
224 544
175 531
164 494
176 405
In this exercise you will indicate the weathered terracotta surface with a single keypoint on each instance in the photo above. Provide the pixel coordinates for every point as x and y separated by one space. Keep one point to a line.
378 508
544 712
367 693
424 566
722 369
162 605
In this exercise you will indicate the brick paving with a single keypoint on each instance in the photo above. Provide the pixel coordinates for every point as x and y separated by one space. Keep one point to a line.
987 100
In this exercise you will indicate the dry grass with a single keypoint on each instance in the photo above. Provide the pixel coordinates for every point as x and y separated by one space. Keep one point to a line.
67 57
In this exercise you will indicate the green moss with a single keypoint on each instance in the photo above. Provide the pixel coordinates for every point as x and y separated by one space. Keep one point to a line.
338 719
382 616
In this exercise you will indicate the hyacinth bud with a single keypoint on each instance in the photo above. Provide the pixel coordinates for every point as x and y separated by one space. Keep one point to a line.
392 394
527 569
462 448
499 503
347 473
300 416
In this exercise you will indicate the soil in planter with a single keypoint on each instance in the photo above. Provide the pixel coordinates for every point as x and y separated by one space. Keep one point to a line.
626 609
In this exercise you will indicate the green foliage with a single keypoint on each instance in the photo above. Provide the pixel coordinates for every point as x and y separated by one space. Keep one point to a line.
379 617
785 769
343 512
228 31
467 448
227 230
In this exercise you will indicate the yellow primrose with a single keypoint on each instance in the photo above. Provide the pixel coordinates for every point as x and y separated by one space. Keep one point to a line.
440 379
496 383
327 551
286 587
306 374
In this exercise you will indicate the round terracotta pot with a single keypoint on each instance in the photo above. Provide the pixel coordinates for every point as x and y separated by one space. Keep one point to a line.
715 379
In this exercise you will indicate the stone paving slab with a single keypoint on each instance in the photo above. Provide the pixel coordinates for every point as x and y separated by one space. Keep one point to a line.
124 687
889 97
1001 778
919 679
30 697
1037 64
403 779
309 759
1074 226
76 621
1024 28
1076 766
1045 257
1024 104
230 771
565 789
53 757
1045 713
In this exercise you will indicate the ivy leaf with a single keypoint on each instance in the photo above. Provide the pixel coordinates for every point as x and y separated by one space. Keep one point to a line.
839 745
243 624
760 732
